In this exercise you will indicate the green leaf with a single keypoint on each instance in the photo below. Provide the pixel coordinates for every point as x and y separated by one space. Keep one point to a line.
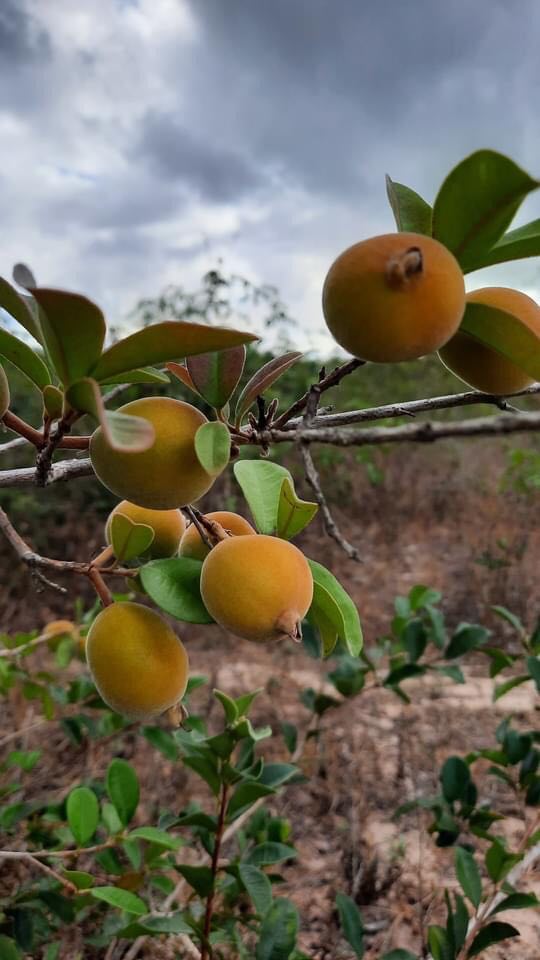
411 212
262 380
533 666
80 879
8 949
421 596
215 375
348 677
154 835
333 603
22 357
468 875
258 887
265 854
502 688
160 342
121 431
468 636
53 401
517 901
244 702
73 330
439 943
399 955
504 333
414 639
261 483
293 514
459 922
129 539
19 307
514 245
174 923
404 672
455 673
244 796
351 923
200 878
274 774
290 736
455 779
206 770
213 447
174 585
279 929
122 899
493 933
510 618
123 789
477 202
229 705
82 814
141 375
163 741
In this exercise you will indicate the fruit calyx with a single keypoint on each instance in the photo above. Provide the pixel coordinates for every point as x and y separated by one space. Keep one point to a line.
401 269
289 626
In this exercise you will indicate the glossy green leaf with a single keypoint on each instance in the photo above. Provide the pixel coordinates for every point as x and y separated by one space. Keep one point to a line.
275 774
262 380
122 432
293 514
24 358
468 875
503 688
270 852
53 401
332 602
439 943
173 923
73 330
533 666
505 334
261 482
352 927
9 949
244 796
258 887
20 309
155 835
142 375
411 212
514 245
200 878
455 779
230 706
467 636
82 814
215 375
123 789
278 932
477 202
129 539
213 447
174 585
493 933
206 769
122 899
80 879
517 901
161 342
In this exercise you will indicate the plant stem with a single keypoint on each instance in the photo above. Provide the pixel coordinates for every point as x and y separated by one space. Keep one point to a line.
215 861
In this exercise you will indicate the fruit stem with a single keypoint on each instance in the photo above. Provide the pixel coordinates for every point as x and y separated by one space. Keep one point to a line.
401 269
210 532
100 586
103 558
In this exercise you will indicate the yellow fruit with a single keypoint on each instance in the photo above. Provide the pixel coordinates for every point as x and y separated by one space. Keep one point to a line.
4 392
192 544
394 297
480 366
257 587
168 474
168 527
139 666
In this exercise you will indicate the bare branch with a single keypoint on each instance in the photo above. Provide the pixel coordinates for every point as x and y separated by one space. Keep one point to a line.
62 470
12 444
325 383
29 858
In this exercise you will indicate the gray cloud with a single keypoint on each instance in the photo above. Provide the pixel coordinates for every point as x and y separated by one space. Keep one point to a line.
22 40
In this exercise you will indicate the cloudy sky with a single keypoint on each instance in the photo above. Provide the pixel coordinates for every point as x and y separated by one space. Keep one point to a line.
141 140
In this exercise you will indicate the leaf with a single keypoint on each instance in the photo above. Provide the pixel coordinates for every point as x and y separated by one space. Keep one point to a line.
122 899
258 887
510 618
293 514
123 789
533 666
206 770
493 933
455 779
439 943
121 431
73 330
505 334
174 585
468 875
154 835
161 342
174 923
80 879
517 901
182 373
129 539
141 375
333 602
19 308
53 401
200 878
262 380
23 276
22 357
213 447
244 796
514 245
421 596
455 673
477 202
278 932
351 923
274 774
261 483
411 212
502 688
82 814
8 949
414 639
404 672
163 741
467 636
265 854
399 955
215 375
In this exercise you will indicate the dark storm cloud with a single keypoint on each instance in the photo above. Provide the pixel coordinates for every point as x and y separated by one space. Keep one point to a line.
21 39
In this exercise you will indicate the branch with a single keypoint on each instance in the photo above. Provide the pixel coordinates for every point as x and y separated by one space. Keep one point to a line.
30 858
325 383
12 444
63 470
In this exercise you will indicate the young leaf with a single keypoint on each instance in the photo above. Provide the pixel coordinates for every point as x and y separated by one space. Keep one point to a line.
183 374
468 875
19 308
129 539
262 380
334 603
122 432
123 789
513 245
215 375
82 814
200 878
505 334
122 899
73 330
493 933
261 483
351 923
293 514
477 202
213 447
411 212
174 585
258 887
22 357
279 929
455 779
161 342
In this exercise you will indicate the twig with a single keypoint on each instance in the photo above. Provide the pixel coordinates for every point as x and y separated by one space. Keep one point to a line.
205 528
325 383
215 861
64 470
12 444
37 438
32 859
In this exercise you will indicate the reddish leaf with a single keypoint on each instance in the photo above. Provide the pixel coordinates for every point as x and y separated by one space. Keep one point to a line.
183 374
216 375
261 380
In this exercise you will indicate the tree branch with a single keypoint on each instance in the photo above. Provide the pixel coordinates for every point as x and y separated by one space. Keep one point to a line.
325 383
62 470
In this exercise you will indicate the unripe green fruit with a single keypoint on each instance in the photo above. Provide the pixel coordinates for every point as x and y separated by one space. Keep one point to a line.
4 392
257 587
168 527
168 474
138 664
192 544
